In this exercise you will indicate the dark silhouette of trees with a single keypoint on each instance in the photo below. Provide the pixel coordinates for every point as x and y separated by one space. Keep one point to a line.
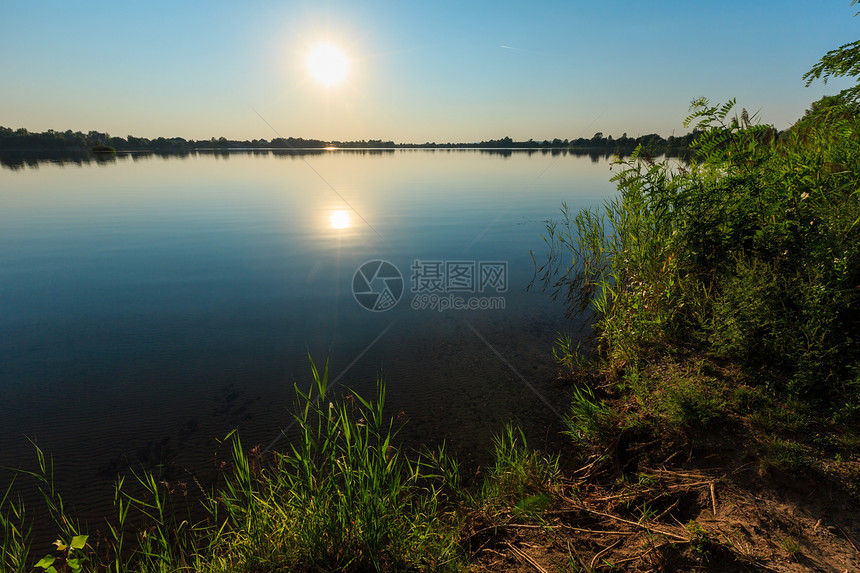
23 141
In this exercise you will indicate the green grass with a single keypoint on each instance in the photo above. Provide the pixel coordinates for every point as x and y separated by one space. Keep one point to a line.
343 497
724 291
522 482
15 530
791 547
700 541
786 456
589 419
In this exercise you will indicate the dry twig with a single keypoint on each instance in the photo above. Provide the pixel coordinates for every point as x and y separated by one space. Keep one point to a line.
689 485
525 557
603 551
714 499
851 541
641 526
666 512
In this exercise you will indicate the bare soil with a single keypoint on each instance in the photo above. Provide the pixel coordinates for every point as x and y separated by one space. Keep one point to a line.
706 500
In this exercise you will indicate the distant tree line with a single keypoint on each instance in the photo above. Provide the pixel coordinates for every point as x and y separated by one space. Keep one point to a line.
651 143
23 140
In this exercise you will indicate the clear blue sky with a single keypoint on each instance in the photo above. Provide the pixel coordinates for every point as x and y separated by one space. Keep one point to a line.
435 71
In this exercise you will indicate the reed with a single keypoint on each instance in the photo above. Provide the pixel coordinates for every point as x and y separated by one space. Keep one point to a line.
521 483
343 497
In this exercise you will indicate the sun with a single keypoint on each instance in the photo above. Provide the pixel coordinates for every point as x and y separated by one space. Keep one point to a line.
327 64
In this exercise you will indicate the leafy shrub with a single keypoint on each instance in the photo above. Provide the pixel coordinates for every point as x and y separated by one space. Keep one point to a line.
752 251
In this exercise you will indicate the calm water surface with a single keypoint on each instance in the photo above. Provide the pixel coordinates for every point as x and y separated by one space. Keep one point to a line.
150 305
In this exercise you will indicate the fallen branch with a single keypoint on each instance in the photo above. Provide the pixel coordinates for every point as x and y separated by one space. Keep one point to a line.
508 526
714 499
666 512
547 526
851 541
596 531
605 550
688 485
671 473
525 557
589 467
639 525
635 557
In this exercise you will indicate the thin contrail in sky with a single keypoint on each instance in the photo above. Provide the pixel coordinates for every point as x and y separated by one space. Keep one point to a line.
523 50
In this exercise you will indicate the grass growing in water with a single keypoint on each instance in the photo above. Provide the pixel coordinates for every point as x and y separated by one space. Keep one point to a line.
343 498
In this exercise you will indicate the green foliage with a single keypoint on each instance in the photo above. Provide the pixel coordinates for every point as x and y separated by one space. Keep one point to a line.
71 556
590 420
572 360
690 404
344 498
785 455
791 547
843 61
14 534
700 541
521 480
751 251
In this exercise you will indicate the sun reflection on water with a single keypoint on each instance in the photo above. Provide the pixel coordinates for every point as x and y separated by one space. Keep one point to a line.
339 220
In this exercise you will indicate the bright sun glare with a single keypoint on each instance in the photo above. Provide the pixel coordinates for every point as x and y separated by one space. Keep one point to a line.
339 220
327 64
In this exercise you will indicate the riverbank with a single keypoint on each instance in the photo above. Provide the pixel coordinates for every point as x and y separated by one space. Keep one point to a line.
697 469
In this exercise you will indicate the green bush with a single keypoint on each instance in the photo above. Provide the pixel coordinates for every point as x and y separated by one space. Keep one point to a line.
750 251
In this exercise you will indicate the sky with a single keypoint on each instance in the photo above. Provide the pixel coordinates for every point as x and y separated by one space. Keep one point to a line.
433 71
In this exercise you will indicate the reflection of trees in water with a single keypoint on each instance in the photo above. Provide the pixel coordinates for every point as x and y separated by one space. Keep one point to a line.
33 159
28 148
595 155
19 160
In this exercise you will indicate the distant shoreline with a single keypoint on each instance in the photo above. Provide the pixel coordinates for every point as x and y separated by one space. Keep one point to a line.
22 140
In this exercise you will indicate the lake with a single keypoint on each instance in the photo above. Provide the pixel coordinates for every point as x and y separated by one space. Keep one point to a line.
151 304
